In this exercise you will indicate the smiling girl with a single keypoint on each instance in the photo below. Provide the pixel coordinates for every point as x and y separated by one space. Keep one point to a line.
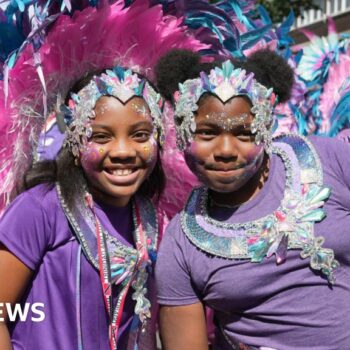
81 233
264 241
89 210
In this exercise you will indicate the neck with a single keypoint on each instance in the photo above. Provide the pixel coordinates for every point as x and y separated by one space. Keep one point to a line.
247 192
109 200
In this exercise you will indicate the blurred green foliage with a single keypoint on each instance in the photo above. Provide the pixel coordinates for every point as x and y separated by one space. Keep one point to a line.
279 9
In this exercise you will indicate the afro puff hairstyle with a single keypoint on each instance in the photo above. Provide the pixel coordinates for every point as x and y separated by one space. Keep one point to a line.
269 69
176 67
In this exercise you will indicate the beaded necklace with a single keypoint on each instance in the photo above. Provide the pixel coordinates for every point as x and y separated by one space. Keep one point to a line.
118 265
290 226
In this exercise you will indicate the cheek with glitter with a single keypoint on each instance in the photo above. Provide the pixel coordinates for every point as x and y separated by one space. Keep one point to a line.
254 154
150 151
192 160
90 158
190 155
101 109
142 111
254 160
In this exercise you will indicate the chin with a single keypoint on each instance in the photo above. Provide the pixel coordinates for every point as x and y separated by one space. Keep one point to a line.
118 195
123 192
226 187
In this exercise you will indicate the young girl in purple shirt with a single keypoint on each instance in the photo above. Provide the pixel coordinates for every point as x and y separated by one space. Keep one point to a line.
265 241
82 238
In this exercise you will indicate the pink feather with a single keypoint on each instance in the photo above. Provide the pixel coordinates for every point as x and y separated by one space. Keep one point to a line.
180 180
90 40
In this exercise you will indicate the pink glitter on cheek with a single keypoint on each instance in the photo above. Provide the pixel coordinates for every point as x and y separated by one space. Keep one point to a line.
191 158
90 159
151 151
192 148
254 154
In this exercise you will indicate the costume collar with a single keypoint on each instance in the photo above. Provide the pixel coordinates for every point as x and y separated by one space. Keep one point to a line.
290 226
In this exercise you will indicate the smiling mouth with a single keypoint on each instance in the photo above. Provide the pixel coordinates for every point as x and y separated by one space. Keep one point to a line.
122 177
121 172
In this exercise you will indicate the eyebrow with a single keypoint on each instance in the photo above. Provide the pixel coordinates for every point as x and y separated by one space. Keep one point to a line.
215 124
145 123
101 126
207 123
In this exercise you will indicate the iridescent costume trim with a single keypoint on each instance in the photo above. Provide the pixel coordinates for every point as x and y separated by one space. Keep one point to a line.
118 265
120 83
224 83
290 226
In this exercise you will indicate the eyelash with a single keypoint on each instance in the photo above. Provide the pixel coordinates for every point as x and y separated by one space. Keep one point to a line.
105 137
246 136
144 135
210 134
100 138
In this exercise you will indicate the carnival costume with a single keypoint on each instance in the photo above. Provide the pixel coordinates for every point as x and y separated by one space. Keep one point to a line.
212 246
35 87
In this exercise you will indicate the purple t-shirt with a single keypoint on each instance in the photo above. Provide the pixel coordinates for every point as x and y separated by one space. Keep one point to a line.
35 230
283 307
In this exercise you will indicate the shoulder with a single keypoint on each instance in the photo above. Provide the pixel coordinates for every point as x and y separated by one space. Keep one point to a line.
173 229
32 224
328 145
39 199
36 211
333 153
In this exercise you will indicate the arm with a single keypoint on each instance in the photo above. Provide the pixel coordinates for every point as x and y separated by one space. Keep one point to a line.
183 327
5 341
14 278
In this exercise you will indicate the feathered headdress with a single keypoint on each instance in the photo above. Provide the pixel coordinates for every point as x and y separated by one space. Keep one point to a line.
87 42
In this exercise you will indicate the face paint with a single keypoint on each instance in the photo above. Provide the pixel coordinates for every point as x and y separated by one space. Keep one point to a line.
151 149
142 111
101 109
90 158
226 122
121 153
192 161
254 161
224 155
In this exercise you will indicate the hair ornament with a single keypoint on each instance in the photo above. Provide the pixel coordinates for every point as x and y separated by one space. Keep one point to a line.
224 83
121 83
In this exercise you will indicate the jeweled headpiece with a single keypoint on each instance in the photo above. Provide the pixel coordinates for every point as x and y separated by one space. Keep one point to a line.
118 82
224 83
102 37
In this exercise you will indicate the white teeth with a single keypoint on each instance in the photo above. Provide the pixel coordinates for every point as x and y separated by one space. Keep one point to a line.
122 172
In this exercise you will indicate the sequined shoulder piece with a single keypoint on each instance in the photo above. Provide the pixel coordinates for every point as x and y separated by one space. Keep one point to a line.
290 226
309 161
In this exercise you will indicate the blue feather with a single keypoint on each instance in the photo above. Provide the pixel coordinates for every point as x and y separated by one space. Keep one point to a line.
250 38
264 15
340 116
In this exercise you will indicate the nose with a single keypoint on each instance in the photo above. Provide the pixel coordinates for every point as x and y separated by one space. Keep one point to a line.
226 149
122 149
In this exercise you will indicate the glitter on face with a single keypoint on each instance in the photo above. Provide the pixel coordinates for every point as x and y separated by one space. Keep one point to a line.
202 163
226 122
152 149
90 159
141 110
101 109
